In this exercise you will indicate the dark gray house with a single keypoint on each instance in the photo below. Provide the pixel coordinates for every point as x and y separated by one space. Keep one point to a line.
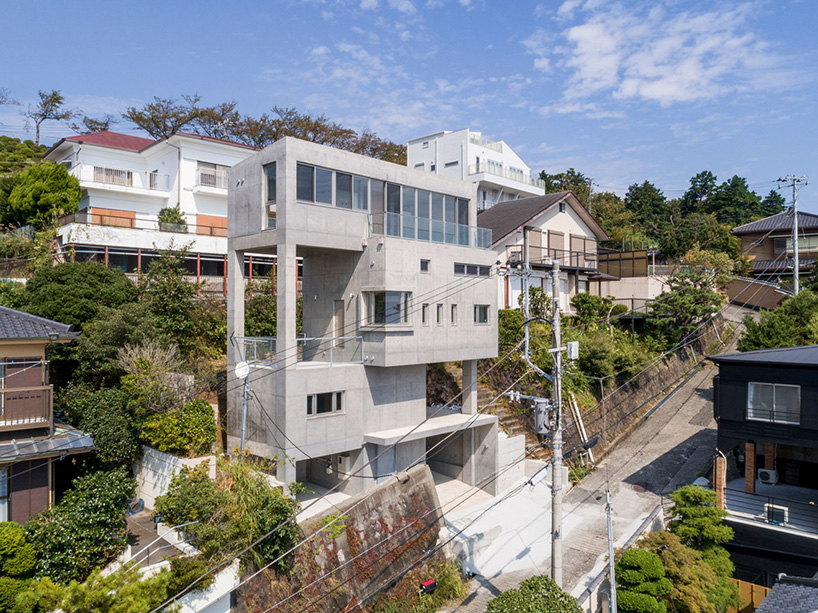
766 405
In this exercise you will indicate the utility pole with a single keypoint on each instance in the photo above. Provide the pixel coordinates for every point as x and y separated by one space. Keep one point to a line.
796 261
556 440
611 571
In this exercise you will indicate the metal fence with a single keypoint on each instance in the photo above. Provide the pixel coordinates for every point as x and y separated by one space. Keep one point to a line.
776 511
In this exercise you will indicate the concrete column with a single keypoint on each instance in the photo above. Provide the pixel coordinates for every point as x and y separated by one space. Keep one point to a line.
286 285
750 467
719 477
470 387
769 456
285 471
235 302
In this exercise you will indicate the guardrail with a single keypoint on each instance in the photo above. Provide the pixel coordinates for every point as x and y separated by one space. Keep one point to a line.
546 255
775 511
211 178
500 171
121 177
22 408
134 223
431 230
261 350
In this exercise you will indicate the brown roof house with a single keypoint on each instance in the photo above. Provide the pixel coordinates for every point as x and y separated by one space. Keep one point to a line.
30 439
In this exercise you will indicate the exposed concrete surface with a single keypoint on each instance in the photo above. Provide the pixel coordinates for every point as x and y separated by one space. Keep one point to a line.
668 449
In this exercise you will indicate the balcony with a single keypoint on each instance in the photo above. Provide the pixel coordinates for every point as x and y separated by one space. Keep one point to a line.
261 351
484 142
211 178
24 408
585 260
431 230
131 222
793 507
121 178
506 173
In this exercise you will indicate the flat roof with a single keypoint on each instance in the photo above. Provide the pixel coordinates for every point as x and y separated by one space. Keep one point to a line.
434 426
782 356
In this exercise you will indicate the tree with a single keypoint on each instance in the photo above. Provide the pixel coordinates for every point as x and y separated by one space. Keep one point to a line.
40 195
90 124
691 296
734 203
793 323
697 519
219 121
702 187
697 229
647 202
164 116
641 578
86 529
16 155
619 223
535 595
51 107
773 204
75 292
570 180
5 97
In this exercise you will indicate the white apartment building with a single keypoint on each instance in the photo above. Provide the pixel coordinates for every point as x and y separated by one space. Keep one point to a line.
500 174
126 180
396 275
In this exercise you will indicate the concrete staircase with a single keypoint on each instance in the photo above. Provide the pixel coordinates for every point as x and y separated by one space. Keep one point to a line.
509 422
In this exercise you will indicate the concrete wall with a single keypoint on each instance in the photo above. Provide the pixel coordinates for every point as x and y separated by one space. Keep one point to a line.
634 287
510 449
155 470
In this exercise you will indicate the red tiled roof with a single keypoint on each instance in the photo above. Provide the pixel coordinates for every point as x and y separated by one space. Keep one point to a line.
115 140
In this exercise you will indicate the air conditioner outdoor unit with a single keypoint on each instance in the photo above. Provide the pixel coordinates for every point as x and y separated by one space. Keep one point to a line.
768 476
342 463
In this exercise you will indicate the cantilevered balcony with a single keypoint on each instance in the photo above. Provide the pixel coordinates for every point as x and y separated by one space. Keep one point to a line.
26 408
129 220
262 351
121 179
506 173
211 178
585 260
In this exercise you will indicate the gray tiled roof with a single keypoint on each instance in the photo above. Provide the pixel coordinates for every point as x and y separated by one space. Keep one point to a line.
506 217
780 221
791 595
18 325
65 441
797 356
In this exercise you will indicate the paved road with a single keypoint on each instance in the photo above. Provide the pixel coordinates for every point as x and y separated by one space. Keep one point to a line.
670 448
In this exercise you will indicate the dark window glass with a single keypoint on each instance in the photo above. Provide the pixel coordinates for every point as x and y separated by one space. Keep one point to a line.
392 198
484 271
437 207
423 204
343 190
471 270
271 182
323 185
451 216
305 189
463 211
460 269
424 266
377 196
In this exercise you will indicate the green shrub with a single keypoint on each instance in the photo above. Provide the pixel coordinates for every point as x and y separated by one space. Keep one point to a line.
510 327
87 529
192 496
184 571
189 431
17 557
171 219
590 308
9 589
641 578
618 310
535 595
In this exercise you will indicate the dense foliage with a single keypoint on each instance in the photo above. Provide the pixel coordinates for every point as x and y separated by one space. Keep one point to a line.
75 292
237 509
535 595
794 322
16 155
86 529
186 430
640 576
39 195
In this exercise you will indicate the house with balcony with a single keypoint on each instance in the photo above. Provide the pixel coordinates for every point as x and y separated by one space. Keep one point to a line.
499 173
126 180
551 227
31 441
396 275
765 403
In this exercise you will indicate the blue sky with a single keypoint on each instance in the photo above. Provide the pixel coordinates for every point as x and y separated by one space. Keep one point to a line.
624 91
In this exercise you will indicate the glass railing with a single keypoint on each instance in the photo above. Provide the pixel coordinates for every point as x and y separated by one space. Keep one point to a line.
261 350
432 230
499 171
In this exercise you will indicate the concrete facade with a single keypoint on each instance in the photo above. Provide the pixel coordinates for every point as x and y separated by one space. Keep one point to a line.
500 174
381 299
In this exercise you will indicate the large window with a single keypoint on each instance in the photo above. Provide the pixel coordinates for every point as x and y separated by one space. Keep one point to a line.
774 402
387 307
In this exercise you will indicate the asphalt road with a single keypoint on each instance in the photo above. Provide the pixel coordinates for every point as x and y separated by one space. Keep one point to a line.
669 449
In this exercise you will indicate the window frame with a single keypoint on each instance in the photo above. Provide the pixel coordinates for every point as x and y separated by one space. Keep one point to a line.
481 308
772 410
336 400
371 307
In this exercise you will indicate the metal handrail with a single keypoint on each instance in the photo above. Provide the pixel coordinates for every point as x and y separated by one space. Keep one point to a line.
133 223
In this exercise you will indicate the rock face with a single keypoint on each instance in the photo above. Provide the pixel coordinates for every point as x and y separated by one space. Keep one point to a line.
356 549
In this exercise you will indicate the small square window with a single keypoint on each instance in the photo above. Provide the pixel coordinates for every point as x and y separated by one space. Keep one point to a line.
426 144
562 207
460 269
484 271
424 266
432 167
481 313
420 165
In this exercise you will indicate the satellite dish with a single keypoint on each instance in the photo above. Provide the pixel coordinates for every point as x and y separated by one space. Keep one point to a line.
242 370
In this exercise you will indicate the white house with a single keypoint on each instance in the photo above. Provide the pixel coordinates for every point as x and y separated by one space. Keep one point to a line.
500 174
557 227
126 180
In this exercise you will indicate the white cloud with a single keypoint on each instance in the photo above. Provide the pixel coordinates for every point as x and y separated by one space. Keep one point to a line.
367 5
404 6
646 52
